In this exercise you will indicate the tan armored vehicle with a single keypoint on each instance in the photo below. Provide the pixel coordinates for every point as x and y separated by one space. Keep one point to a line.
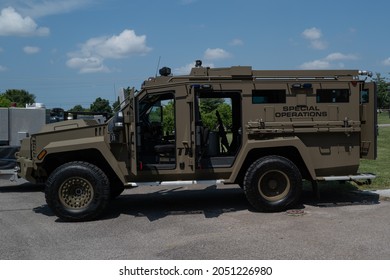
264 130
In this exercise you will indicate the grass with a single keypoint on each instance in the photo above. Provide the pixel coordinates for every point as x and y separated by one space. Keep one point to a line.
380 166
383 118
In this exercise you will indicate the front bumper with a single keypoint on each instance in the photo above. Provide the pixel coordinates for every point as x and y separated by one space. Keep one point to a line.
25 169
8 174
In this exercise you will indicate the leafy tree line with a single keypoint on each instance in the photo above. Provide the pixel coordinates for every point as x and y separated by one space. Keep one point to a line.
383 91
100 105
16 98
208 108
21 97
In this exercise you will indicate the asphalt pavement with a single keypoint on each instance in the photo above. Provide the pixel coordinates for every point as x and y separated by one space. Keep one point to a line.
197 222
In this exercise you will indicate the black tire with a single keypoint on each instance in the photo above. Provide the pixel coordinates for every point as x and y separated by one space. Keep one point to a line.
77 191
273 184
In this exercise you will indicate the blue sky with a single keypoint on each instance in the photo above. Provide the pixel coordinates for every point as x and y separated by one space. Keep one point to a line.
71 52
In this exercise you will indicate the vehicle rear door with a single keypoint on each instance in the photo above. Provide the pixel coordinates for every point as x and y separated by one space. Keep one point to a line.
368 119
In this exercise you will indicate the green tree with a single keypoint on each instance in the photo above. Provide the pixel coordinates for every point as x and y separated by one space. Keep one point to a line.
20 96
225 111
210 104
208 108
169 117
101 106
382 91
78 108
4 102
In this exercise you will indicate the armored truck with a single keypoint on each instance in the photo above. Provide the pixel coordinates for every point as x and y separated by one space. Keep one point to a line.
266 131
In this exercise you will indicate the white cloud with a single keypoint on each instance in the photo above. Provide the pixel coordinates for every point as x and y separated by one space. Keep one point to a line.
316 64
40 8
340 56
125 44
2 68
212 54
187 2
92 54
318 45
386 61
326 63
13 24
314 35
185 70
31 50
87 64
237 42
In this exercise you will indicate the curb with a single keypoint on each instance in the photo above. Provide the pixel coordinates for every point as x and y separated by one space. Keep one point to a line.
383 194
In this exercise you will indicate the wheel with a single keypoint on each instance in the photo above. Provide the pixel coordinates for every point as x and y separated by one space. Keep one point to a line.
77 191
272 183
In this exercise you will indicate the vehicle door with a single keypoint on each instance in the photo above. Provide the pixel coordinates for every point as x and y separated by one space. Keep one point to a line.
165 137
132 144
368 119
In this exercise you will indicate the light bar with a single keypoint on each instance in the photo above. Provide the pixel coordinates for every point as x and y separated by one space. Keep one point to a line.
365 73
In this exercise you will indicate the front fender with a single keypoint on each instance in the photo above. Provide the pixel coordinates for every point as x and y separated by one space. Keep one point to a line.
80 145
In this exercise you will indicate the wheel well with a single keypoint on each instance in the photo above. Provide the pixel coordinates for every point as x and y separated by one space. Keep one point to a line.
92 156
288 152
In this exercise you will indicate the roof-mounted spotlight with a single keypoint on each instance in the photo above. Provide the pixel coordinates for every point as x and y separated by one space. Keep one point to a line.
165 71
365 73
198 63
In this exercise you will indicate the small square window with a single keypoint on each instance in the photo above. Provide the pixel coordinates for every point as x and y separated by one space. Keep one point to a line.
332 95
364 96
268 96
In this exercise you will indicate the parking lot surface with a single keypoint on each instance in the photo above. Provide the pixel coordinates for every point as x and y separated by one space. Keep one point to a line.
196 222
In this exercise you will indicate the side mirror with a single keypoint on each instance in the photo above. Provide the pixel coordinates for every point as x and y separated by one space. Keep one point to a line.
118 121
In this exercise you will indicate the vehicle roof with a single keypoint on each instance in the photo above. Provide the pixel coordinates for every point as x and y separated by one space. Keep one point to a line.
202 74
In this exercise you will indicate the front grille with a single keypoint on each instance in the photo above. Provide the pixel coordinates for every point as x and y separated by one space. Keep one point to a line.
33 147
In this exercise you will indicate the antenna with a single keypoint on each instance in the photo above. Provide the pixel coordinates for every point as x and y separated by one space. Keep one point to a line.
158 65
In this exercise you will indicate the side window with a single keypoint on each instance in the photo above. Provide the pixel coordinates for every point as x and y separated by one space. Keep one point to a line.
162 114
219 126
364 97
155 114
157 130
332 95
268 96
